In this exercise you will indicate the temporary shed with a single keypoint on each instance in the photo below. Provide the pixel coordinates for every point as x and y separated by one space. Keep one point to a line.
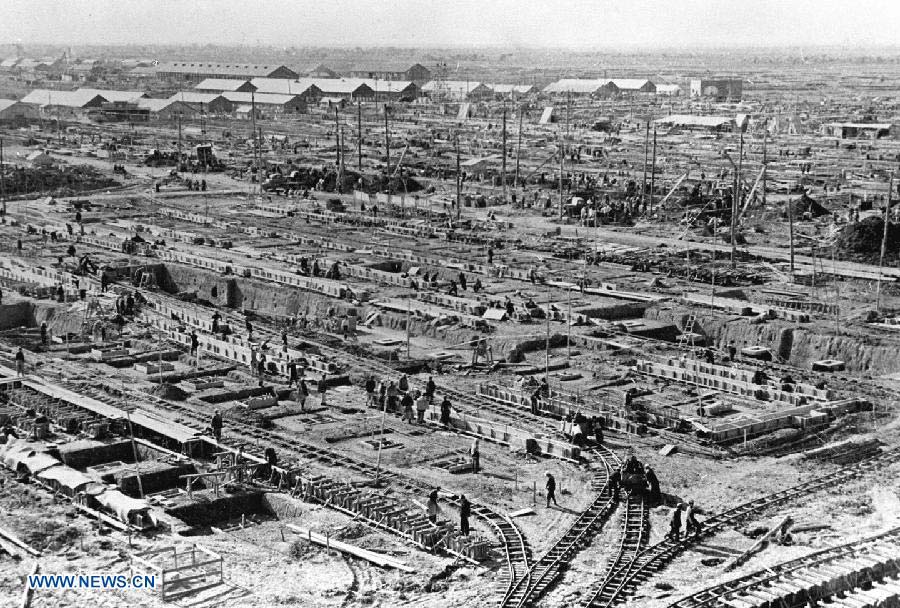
457 89
212 103
271 102
693 121
668 90
65 479
634 85
166 109
125 508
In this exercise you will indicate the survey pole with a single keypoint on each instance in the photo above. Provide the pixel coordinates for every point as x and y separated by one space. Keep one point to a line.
503 170
652 172
359 135
646 150
562 158
518 149
547 345
458 182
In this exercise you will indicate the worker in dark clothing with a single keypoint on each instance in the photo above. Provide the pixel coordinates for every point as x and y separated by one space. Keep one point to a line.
653 482
215 322
477 286
462 281
316 271
691 525
551 490
535 402
430 387
615 483
452 290
249 327
475 456
195 343
710 357
216 424
261 368
598 430
404 383
433 506
104 282
20 362
406 402
445 411
44 333
490 256
732 351
322 389
465 511
292 372
510 309
284 340
675 524
629 398
370 391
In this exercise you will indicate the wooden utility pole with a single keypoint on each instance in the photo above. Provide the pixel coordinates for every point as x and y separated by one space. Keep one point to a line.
178 164
646 150
387 148
652 173
562 158
2 181
458 182
359 134
790 211
518 149
765 160
256 150
503 170
887 216
735 200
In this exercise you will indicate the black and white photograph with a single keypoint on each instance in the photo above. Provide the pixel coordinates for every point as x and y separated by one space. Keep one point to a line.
482 303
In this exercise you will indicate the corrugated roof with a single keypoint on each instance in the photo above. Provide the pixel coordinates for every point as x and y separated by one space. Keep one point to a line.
113 95
630 84
453 86
511 88
335 85
7 103
282 86
274 99
861 125
71 99
195 97
223 68
154 105
576 85
222 84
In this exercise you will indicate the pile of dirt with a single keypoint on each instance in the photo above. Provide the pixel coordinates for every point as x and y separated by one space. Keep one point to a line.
168 391
862 240
806 204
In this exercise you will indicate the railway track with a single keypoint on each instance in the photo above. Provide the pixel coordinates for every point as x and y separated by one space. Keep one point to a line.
547 569
633 539
654 558
883 546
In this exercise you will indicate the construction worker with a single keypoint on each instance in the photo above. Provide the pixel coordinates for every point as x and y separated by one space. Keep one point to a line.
302 393
445 411
322 389
675 523
404 383
195 342
653 483
406 402
475 456
44 333
433 508
551 489
462 281
615 483
691 525
216 425
370 391
292 372
421 407
20 362
465 511
430 387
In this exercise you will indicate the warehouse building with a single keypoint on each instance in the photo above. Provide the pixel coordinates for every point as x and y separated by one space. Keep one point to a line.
581 87
14 112
196 71
416 72
718 89
220 85
267 103
166 109
854 130
457 90
693 122
209 103
350 89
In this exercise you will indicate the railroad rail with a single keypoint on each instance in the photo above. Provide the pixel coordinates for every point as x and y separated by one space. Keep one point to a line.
634 535
654 558
547 569
884 544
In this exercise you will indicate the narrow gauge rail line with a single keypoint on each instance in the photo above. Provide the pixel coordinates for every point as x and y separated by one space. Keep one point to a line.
654 558
547 569
719 595
634 536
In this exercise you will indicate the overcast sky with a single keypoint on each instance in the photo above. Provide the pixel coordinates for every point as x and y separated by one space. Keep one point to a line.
585 24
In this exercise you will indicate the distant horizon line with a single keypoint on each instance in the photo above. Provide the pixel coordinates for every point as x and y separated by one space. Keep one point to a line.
469 47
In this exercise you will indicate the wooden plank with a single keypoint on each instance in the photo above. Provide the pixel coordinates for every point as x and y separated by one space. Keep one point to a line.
375 558
28 592
778 528
19 542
